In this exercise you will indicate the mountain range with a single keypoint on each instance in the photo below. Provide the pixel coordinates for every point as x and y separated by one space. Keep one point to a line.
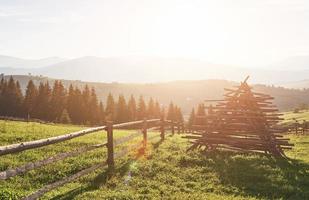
155 69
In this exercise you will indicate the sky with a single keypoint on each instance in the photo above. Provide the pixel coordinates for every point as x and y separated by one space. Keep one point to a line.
236 32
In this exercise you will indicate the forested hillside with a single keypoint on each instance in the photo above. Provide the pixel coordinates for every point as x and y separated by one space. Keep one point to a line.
183 93
76 104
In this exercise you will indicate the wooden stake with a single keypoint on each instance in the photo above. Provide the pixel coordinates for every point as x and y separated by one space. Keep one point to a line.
145 132
110 145
162 129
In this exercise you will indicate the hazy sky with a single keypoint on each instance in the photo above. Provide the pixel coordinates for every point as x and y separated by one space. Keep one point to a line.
239 32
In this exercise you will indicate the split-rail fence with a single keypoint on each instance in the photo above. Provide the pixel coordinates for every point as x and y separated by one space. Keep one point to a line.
152 124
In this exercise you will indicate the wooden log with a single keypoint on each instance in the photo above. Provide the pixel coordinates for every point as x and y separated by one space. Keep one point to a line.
34 165
59 183
110 146
128 124
15 148
162 129
145 133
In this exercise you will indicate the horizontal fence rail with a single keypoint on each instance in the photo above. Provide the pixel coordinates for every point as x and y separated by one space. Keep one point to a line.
15 148
34 165
147 125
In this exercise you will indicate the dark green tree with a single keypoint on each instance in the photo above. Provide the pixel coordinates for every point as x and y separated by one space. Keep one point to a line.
42 108
122 110
151 109
191 120
57 101
142 109
171 112
132 110
30 99
110 108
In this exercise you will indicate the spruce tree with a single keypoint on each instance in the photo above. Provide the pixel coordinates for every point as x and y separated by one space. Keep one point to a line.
43 108
3 85
142 109
122 111
157 110
93 108
58 101
110 108
12 99
70 103
132 109
199 114
85 105
30 100
151 109
171 112
19 101
178 114
101 113
191 120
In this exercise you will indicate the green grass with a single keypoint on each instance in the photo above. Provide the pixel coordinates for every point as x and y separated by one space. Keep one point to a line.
289 117
165 171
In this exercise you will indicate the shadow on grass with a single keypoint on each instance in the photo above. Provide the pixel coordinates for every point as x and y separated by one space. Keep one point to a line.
102 178
259 176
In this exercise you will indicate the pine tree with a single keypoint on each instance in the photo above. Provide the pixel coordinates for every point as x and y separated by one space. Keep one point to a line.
142 109
30 99
171 112
12 99
42 109
70 103
110 108
121 113
58 101
201 110
178 115
93 108
157 110
101 113
85 105
151 109
200 113
191 120
19 101
3 85
77 104
132 111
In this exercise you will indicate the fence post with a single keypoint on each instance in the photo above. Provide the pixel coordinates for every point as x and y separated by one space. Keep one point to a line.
144 131
173 127
110 145
162 129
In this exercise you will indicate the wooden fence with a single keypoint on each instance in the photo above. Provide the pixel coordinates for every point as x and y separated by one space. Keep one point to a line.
152 124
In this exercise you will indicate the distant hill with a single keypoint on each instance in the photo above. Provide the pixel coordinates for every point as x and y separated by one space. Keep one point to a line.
13 62
296 84
184 93
154 69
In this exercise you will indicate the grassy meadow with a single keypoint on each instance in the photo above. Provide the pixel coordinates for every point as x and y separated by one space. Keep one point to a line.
290 117
165 171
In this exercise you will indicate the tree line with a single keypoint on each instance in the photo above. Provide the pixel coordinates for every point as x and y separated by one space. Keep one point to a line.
74 105
194 116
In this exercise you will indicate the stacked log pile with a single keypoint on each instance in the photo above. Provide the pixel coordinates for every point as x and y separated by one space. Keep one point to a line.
243 121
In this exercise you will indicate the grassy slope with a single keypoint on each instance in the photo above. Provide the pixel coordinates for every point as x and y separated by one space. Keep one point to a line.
167 171
289 117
